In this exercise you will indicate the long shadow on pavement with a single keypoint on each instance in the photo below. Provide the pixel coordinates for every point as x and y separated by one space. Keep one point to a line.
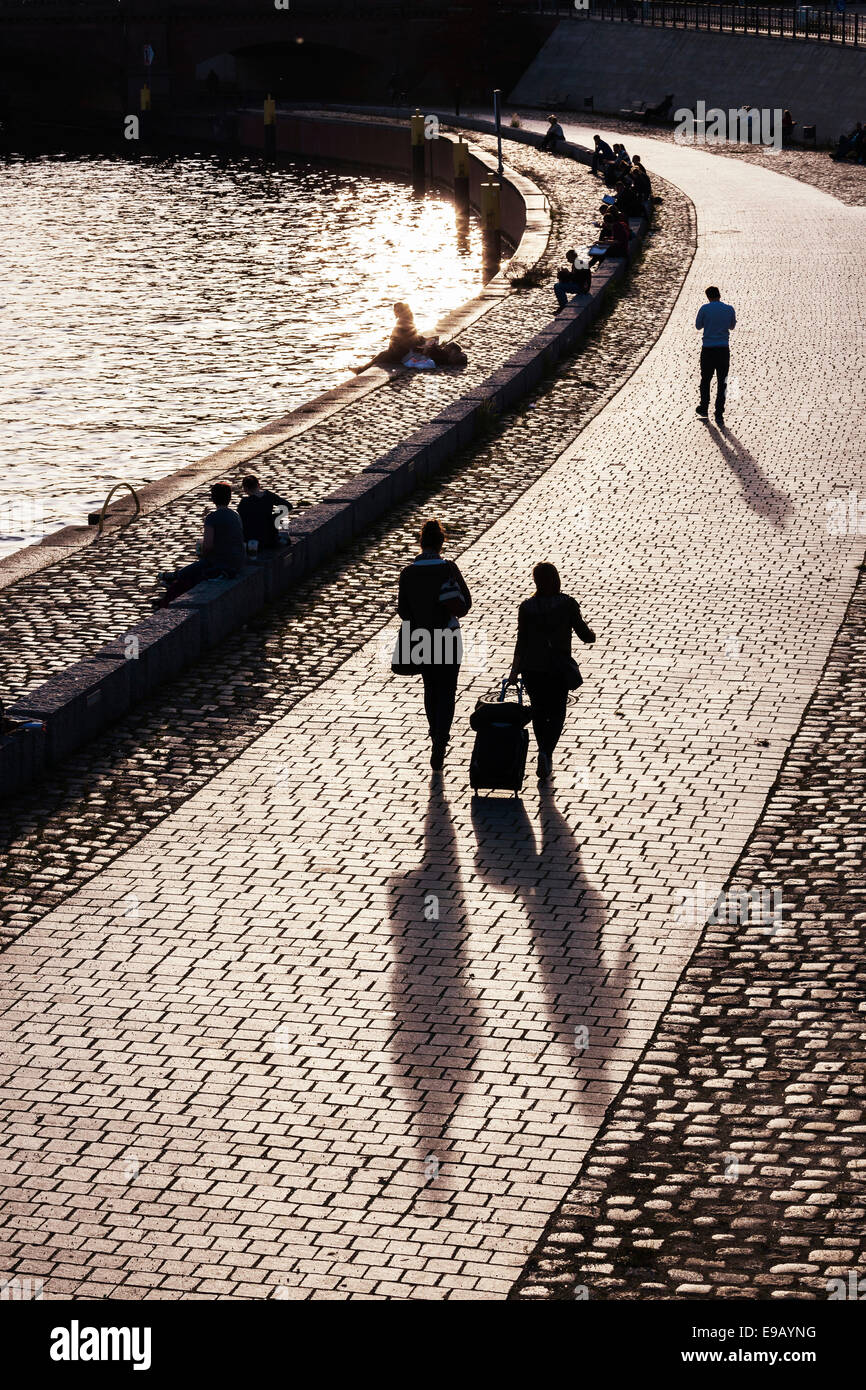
564 913
438 1021
758 491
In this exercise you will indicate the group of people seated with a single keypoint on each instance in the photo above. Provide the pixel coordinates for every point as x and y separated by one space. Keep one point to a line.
229 535
613 164
409 348
632 197
852 146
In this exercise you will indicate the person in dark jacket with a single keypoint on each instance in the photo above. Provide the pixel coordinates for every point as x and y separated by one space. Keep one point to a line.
572 279
256 511
545 623
432 597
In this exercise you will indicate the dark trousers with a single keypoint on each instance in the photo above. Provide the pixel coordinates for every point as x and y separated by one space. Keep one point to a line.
440 692
715 361
548 696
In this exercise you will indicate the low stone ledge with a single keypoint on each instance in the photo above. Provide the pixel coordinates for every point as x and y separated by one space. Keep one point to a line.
77 702
326 528
283 568
405 465
367 496
22 759
223 604
157 648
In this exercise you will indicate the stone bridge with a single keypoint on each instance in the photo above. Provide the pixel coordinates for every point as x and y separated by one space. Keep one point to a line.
60 60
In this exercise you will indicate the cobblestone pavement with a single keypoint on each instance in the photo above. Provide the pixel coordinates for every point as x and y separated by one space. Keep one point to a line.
844 181
108 796
732 1165
319 1032
55 617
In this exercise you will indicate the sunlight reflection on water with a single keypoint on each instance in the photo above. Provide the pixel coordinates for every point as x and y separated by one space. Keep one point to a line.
153 311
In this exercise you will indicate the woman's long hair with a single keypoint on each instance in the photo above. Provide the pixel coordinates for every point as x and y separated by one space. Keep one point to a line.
547 581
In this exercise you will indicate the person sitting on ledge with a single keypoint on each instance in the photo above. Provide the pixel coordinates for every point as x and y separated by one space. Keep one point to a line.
573 279
641 179
256 511
628 200
553 133
221 549
602 153
852 145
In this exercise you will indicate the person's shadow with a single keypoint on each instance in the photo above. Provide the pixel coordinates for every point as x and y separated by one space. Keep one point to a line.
566 918
435 1044
762 497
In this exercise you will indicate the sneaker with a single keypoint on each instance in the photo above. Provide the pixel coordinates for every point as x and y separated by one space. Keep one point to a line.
702 412
437 754
542 767
165 577
719 418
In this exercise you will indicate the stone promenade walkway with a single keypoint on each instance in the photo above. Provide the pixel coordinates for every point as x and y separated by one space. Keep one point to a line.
332 1030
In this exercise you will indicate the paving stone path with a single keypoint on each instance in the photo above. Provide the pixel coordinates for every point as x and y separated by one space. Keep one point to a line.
331 1029
844 181
734 1163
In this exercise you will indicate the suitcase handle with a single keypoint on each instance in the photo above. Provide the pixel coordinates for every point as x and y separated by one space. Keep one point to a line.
518 687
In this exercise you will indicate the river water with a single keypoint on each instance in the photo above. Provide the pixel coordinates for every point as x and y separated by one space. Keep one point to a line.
155 310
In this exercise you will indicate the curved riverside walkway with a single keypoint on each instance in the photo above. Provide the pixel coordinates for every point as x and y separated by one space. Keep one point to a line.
320 1033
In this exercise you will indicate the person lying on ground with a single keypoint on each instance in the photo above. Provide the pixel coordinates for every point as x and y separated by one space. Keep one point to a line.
256 511
222 551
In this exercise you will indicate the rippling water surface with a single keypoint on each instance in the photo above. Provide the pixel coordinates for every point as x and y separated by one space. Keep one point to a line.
155 310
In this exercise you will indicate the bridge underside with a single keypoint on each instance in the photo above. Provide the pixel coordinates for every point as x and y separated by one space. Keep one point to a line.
58 68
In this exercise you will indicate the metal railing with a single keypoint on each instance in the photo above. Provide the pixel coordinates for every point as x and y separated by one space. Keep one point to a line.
773 21
98 519
769 21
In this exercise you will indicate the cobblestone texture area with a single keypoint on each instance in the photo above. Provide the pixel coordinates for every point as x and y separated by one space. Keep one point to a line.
53 618
844 181
318 1033
733 1164
55 838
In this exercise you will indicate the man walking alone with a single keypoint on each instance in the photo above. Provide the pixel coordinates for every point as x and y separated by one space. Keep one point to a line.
716 319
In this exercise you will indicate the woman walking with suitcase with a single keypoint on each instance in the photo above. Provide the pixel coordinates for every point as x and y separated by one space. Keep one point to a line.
542 656
432 597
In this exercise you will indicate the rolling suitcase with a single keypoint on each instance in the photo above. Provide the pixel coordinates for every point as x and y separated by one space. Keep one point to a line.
501 743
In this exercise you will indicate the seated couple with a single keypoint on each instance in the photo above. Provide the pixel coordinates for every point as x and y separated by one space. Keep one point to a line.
222 548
